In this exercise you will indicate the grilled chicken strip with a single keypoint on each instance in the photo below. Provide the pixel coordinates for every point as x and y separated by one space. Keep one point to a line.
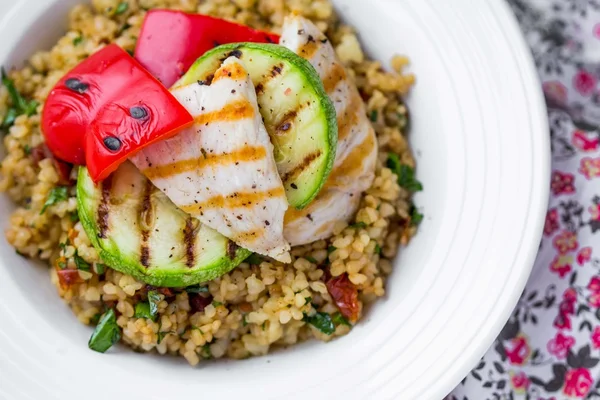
354 168
222 170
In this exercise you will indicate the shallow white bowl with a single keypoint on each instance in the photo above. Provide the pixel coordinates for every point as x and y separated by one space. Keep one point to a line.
481 139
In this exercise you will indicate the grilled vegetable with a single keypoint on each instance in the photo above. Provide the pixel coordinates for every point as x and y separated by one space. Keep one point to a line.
194 35
354 168
137 230
222 170
107 108
297 113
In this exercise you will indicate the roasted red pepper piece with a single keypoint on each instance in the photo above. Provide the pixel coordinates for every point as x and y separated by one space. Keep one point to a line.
107 108
345 295
170 41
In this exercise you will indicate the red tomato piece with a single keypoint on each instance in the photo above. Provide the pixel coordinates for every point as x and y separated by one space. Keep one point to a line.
107 108
345 295
68 277
170 41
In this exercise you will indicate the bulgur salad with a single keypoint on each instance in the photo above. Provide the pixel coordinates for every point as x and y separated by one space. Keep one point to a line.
209 178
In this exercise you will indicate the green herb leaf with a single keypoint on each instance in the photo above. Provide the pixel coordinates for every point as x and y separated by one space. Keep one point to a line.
308 299
311 259
322 321
216 303
77 41
331 249
339 319
264 325
27 149
197 289
94 320
81 263
161 336
377 248
121 8
9 118
57 194
374 115
154 298
106 334
205 352
244 321
142 310
61 264
254 259
405 174
415 216
358 225
74 217
20 105
100 268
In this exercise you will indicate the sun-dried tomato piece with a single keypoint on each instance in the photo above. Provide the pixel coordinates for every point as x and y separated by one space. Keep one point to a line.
345 295
68 277
198 302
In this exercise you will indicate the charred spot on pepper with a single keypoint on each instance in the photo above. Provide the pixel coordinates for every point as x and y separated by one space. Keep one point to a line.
112 143
77 85
138 112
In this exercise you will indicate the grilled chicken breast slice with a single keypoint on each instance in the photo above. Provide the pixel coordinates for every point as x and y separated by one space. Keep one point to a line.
354 168
222 170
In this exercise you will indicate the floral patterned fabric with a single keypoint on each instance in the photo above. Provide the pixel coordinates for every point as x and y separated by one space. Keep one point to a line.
550 348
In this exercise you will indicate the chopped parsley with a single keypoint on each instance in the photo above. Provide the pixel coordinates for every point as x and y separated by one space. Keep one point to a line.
94 320
142 310
100 268
216 303
254 259
308 300
77 41
374 115
205 352
311 259
57 194
331 249
153 300
80 263
197 289
61 263
322 321
339 319
121 8
358 225
405 174
106 334
415 216
19 104
377 248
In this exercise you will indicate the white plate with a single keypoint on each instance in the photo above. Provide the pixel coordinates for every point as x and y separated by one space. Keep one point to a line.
481 139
